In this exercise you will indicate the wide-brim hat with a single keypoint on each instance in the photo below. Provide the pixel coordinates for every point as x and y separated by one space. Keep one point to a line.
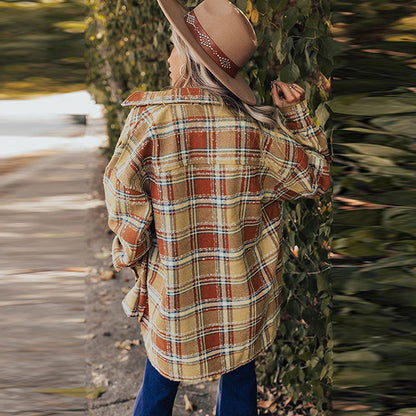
221 36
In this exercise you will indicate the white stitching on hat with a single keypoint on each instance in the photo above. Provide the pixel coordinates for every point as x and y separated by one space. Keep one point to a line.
206 41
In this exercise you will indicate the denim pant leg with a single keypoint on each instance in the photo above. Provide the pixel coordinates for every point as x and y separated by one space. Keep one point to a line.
237 392
157 394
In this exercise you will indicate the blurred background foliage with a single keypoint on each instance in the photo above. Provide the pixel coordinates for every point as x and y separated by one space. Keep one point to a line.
41 47
374 228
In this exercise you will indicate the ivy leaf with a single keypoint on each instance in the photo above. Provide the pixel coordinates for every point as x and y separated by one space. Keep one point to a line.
290 73
287 46
325 65
304 6
278 5
289 18
277 38
312 21
249 9
255 17
260 37
328 47
261 6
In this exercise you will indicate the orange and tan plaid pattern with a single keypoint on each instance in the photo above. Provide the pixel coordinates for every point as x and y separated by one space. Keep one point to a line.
194 196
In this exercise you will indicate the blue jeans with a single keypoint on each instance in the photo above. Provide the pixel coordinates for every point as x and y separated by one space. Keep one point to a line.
237 393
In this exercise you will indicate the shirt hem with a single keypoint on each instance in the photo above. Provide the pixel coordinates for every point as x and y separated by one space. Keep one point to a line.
210 376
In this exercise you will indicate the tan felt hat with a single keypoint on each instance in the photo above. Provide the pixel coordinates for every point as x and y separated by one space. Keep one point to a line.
222 37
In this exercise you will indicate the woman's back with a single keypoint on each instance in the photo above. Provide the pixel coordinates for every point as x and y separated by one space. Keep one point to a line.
203 187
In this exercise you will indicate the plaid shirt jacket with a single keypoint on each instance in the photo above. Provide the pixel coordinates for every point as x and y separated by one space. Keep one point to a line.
193 193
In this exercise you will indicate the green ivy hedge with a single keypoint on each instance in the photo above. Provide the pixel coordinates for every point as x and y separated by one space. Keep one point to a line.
128 48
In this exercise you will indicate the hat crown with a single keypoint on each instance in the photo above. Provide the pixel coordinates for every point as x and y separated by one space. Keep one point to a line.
229 28
220 36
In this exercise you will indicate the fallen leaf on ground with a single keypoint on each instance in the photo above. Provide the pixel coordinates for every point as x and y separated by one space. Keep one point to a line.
123 356
265 404
287 401
270 396
188 404
99 379
127 343
107 275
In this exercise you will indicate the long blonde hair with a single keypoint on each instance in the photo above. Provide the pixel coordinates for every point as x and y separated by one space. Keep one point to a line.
197 75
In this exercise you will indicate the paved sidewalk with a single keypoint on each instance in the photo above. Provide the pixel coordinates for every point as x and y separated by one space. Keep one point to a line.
44 263
45 184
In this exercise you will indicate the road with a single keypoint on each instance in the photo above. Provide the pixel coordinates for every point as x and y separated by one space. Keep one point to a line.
44 262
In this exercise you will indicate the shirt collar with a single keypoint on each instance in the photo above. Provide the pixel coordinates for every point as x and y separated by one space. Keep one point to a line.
173 95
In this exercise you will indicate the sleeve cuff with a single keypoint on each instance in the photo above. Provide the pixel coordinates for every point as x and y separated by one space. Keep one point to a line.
293 111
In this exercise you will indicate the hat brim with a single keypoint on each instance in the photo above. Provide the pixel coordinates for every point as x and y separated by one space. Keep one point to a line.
175 13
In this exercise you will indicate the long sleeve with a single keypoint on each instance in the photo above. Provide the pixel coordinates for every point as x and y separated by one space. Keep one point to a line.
129 217
299 162
129 207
